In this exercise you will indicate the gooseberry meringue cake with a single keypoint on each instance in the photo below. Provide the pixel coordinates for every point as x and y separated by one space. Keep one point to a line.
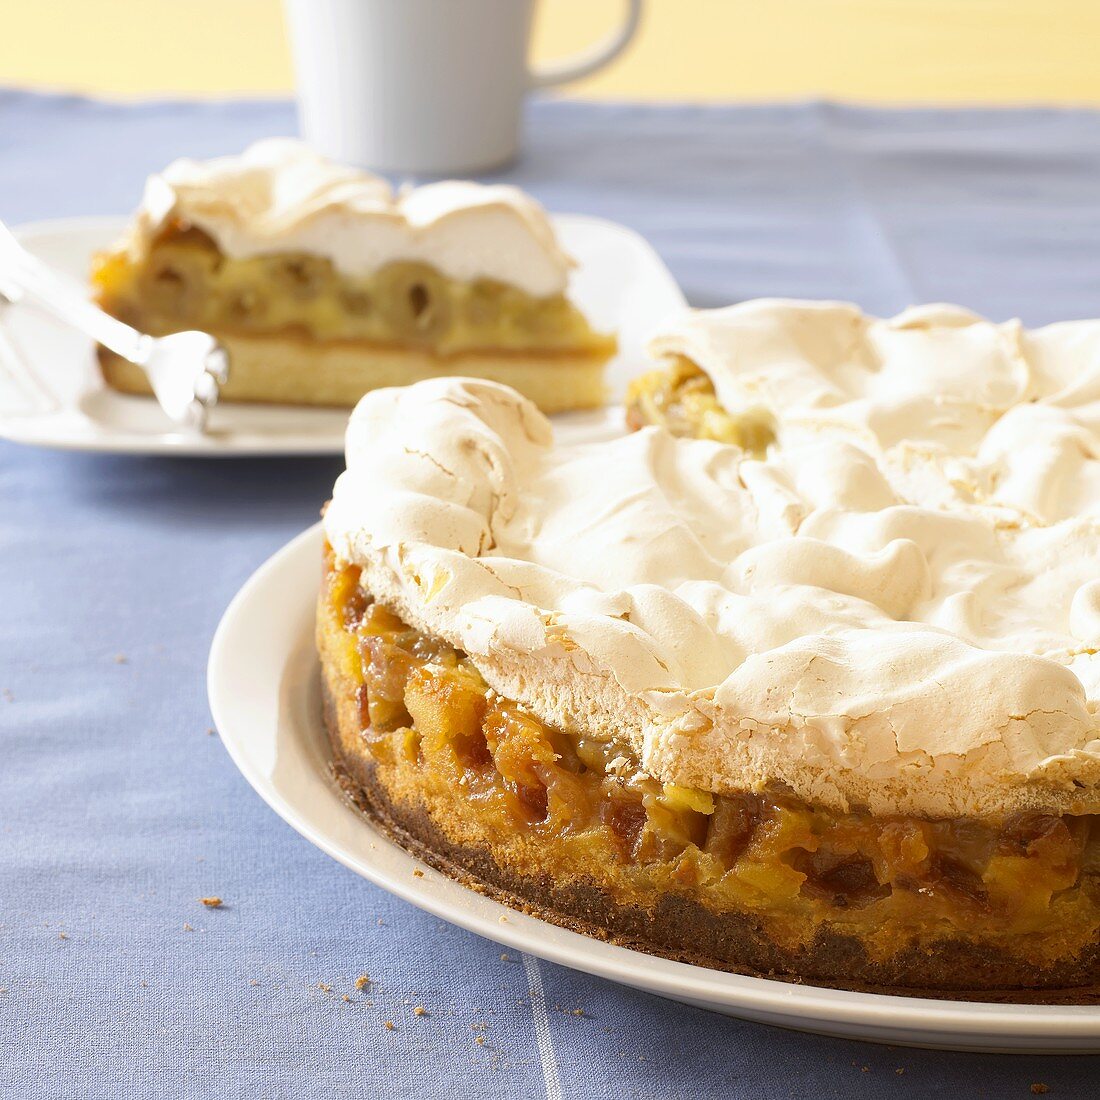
819 702
324 283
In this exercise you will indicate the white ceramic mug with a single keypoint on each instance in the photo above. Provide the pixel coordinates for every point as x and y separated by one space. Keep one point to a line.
424 86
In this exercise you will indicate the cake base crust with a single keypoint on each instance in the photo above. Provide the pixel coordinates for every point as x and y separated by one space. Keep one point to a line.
287 371
676 927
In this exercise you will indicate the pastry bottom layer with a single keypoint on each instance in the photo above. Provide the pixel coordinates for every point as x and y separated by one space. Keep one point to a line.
283 370
445 824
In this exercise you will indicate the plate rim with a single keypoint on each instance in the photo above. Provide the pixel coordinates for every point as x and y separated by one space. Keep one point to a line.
794 1004
14 428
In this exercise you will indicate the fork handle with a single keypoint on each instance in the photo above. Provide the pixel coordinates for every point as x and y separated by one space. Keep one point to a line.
34 279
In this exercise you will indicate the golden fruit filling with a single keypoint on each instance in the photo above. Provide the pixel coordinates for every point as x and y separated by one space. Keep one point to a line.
185 281
490 769
681 398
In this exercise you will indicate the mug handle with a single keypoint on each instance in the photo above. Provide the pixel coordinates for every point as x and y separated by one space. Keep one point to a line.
593 59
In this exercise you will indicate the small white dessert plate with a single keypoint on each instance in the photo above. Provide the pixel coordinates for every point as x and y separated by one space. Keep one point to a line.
265 696
52 395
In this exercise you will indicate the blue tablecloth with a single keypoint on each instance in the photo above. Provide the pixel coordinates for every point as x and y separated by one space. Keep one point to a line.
119 809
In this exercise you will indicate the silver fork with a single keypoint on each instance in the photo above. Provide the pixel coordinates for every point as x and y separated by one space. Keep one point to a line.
184 370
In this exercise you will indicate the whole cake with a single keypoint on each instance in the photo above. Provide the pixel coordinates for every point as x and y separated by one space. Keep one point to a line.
322 283
816 697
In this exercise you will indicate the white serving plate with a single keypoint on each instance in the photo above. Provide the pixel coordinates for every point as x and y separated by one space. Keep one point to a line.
620 283
265 695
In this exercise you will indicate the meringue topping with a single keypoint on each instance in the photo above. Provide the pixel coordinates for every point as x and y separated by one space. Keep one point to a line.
280 196
899 608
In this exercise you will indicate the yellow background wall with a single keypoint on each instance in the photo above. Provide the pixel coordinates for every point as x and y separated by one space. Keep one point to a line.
1001 51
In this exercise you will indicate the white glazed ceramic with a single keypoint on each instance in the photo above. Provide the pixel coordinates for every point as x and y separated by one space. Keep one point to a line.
265 696
424 86
620 283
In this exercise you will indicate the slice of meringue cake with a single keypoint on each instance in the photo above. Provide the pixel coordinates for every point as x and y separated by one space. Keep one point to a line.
324 283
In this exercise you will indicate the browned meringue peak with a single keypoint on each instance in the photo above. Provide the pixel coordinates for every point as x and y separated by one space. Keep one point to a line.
885 625
280 196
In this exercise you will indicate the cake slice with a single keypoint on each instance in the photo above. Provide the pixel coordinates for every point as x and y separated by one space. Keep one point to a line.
323 283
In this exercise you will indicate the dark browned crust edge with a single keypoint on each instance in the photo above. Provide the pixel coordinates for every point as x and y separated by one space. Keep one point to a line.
686 931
